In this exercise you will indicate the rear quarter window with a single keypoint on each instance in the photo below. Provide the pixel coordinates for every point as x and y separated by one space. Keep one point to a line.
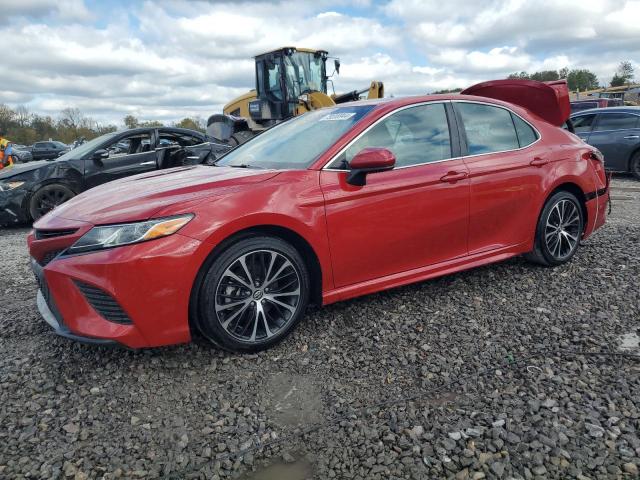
526 134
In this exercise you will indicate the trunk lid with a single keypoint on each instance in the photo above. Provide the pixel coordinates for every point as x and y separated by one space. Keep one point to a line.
548 100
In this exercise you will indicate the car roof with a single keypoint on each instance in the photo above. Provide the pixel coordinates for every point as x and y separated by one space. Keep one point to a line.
625 109
393 103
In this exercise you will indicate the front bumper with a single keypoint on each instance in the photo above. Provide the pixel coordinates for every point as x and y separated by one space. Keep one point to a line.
60 329
150 281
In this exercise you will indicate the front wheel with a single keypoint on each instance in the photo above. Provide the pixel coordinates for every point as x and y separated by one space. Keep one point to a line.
47 198
253 294
558 231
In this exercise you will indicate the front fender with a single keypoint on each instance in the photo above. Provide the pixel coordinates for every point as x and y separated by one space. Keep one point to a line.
292 201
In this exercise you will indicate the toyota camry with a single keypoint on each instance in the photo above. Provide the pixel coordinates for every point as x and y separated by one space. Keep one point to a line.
330 205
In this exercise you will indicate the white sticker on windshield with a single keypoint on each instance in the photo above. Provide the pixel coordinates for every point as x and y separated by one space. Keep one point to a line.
337 116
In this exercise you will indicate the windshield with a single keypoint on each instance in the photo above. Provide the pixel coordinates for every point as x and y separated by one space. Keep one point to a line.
297 143
85 148
304 73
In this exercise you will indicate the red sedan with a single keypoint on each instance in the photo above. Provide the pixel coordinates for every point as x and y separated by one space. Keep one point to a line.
333 204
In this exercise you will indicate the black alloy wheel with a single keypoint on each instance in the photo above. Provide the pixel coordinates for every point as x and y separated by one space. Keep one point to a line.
47 198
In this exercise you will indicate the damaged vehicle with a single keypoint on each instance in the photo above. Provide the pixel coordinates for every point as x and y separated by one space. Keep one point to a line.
330 205
28 191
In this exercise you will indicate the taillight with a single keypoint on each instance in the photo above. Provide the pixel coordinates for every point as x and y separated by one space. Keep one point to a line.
597 160
597 155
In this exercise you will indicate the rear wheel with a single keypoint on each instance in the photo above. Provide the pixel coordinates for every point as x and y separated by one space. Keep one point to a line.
253 294
635 165
47 198
558 231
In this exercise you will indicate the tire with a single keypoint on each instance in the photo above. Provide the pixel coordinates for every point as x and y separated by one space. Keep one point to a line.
558 231
239 138
47 198
237 308
634 165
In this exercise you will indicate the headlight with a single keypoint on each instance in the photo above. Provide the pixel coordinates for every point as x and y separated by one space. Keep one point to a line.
6 186
99 238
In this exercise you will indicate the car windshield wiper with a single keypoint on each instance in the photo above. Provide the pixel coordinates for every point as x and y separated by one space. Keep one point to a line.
245 165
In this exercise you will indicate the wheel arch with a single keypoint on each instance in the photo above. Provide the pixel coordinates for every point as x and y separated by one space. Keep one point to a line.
634 152
307 252
72 183
575 189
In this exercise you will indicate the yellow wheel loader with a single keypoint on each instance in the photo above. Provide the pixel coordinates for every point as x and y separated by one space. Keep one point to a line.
289 82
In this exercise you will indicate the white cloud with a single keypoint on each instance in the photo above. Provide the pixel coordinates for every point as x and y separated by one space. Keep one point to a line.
166 60
64 9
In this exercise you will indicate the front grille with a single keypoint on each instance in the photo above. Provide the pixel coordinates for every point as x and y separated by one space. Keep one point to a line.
49 256
104 304
45 234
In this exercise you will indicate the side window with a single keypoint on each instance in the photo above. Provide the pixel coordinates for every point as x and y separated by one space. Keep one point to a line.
415 135
616 121
583 123
172 140
526 134
489 129
133 144
273 79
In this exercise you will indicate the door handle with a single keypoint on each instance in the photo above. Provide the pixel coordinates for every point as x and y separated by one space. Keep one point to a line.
538 162
631 137
453 177
152 162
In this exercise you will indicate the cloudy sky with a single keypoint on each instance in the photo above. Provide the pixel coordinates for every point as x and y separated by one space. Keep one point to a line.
168 59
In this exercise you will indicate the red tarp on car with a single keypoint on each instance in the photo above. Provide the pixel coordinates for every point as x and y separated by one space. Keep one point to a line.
548 100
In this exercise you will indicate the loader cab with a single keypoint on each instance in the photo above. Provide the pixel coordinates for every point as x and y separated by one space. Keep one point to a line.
282 76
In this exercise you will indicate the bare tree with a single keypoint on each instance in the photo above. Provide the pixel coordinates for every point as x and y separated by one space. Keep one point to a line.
7 116
71 117
23 116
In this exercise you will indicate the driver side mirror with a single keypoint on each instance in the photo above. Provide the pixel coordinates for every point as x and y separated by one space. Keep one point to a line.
369 160
336 65
100 155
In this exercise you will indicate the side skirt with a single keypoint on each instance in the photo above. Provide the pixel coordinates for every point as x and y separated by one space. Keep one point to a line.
423 273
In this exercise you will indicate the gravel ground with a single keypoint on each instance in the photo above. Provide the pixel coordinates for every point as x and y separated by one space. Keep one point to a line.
77 411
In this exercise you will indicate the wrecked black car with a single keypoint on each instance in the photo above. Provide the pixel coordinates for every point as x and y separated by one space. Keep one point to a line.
28 191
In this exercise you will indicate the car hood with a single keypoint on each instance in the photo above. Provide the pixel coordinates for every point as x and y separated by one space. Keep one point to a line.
139 197
18 168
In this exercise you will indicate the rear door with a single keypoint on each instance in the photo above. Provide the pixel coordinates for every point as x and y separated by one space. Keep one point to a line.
617 136
507 166
128 155
412 216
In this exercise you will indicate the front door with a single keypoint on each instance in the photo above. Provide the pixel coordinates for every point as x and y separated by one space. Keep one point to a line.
410 217
128 155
